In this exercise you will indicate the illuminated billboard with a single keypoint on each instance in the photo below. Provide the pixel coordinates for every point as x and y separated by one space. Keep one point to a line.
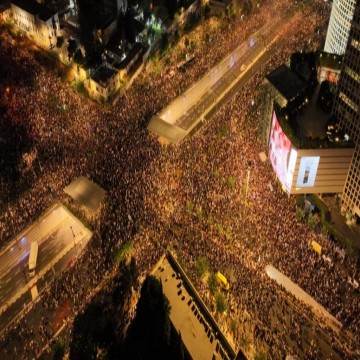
282 155
307 171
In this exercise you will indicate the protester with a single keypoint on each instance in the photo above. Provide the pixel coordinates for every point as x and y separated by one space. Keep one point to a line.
178 196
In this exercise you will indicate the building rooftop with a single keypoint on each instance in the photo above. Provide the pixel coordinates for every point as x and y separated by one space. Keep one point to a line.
305 118
103 75
332 61
34 8
312 121
308 128
4 5
133 52
105 20
45 13
86 193
286 82
200 333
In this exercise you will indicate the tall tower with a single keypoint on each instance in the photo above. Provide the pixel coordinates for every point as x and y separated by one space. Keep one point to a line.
347 110
116 6
339 26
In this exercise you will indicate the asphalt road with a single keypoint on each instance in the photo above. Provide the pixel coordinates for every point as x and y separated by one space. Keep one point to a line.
188 110
56 243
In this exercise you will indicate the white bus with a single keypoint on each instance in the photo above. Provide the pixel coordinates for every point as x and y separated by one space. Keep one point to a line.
33 257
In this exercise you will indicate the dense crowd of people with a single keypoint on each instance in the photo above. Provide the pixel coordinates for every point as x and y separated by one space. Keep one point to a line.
178 196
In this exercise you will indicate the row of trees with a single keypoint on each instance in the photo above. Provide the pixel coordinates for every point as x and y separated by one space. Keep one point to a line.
202 269
319 220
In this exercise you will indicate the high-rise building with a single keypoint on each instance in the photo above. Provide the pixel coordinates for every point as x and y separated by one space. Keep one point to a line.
347 110
116 6
339 26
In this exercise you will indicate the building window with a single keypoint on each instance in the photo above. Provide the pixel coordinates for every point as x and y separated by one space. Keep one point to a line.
348 101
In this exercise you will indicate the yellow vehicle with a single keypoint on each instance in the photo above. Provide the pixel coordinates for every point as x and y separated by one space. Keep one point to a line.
222 281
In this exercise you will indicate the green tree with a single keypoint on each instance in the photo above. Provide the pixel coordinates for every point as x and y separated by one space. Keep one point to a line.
260 356
58 350
231 182
299 213
172 7
149 334
122 253
311 221
93 328
202 266
324 230
178 352
221 305
212 283
233 327
127 278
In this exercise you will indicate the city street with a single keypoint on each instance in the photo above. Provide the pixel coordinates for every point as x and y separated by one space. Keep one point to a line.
184 113
201 198
59 235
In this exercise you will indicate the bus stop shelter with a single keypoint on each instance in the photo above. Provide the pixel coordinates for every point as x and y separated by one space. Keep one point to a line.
86 193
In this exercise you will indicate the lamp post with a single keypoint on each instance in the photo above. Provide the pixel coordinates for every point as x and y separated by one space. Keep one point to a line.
73 234
247 182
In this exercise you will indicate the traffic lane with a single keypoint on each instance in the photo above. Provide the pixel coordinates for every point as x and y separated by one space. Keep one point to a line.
243 81
186 120
20 247
240 55
25 299
57 268
185 101
191 115
13 311
14 281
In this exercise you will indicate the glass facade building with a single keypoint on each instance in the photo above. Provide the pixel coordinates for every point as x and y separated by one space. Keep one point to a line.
339 26
347 111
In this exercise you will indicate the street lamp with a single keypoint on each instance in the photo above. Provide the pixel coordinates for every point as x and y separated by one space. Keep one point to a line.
248 178
247 182
73 234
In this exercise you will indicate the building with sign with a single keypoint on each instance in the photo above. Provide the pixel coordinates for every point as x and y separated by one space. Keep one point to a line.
320 167
308 152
